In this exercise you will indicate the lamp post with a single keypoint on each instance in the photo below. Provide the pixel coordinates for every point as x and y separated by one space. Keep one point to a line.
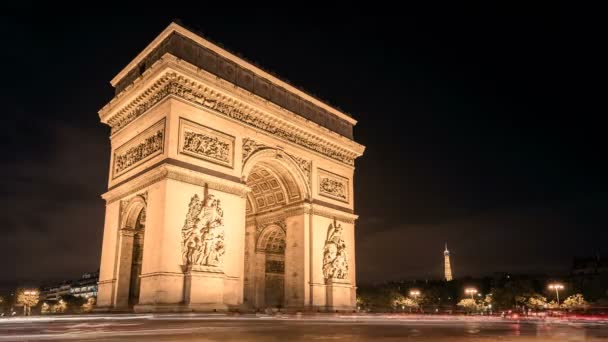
556 287
470 291
415 294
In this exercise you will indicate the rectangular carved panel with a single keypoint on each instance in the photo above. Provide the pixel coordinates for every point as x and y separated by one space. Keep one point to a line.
333 186
205 143
138 150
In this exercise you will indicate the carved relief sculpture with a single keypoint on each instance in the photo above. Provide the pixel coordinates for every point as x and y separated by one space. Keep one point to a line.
335 264
141 148
333 186
203 233
206 143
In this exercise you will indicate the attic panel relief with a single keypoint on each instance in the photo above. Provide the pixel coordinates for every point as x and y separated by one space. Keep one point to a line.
333 186
141 148
205 143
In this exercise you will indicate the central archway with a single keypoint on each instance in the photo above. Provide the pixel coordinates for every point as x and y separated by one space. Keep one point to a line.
272 253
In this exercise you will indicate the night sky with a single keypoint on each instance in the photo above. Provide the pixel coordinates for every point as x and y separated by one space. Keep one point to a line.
476 123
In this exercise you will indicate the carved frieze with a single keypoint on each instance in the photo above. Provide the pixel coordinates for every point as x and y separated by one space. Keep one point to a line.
335 257
178 86
250 146
333 186
203 233
305 166
143 147
206 143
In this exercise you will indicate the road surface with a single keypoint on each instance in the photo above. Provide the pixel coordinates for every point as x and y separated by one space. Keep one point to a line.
199 327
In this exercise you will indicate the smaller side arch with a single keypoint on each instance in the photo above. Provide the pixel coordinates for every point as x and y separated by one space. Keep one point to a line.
271 239
132 211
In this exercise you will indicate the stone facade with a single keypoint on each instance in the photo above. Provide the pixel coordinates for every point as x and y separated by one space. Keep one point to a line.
220 197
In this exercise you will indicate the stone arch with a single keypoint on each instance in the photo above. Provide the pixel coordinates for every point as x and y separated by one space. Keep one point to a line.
270 259
280 162
131 247
271 239
134 207
277 183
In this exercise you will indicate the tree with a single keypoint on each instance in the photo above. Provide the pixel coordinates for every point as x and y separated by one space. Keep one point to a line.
72 304
88 306
536 302
60 307
410 304
397 299
45 309
469 305
575 302
514 292
28 298
552 305
377 298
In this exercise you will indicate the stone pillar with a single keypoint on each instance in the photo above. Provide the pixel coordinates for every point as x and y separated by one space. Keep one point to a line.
338 293
204 289
123 277
295 263
260 279
109 257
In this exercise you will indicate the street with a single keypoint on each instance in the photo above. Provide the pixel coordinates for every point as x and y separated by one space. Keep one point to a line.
219 327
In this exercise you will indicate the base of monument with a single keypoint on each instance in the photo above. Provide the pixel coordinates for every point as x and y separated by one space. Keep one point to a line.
106 309
159 308
342 309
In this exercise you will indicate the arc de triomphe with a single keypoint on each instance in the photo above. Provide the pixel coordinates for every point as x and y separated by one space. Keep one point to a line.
228 188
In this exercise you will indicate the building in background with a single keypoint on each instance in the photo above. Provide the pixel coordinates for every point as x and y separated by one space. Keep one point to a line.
447 266
85 286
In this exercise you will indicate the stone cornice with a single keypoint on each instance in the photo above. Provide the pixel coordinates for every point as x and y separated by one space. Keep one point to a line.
172 77
280 214
165 171
321 210
173 27
299 209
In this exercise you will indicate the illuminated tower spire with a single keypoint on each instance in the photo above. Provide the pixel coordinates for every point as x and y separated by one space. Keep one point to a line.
448 268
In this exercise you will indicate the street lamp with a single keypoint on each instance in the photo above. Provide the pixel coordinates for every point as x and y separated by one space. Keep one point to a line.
415 294
556 287
470 291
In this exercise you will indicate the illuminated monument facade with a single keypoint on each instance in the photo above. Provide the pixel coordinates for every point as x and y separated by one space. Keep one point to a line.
228 188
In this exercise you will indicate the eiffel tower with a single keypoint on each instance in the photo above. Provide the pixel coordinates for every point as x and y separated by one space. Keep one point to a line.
448 268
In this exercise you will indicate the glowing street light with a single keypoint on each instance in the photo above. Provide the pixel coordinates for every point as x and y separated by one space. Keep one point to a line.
556 287
470 291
